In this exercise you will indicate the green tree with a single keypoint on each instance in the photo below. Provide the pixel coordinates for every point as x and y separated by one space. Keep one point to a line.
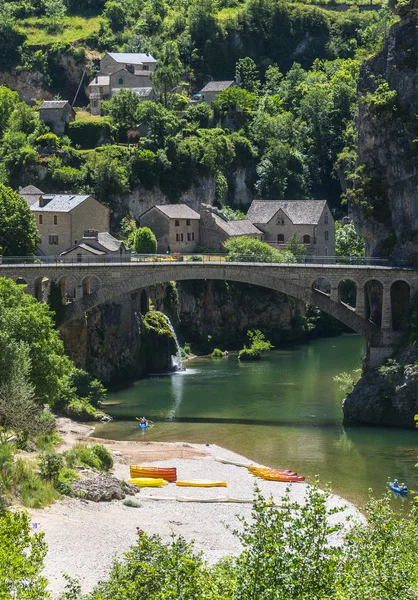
55 12
21 559
123 108
143 241
115 13
160 121
295 247
247 75
108 173
168 71
8 102
18 231
347 241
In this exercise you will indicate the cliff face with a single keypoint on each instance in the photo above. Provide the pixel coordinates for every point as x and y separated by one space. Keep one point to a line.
386 212
387 127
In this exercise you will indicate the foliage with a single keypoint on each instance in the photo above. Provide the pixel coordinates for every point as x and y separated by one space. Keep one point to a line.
50 465
21 559
247 75
294 247
168 71
246 249
347 381
123 108
131 503
107 172
217 353
18 232
88 134
381 99
258 344
95 456
347 241
143 241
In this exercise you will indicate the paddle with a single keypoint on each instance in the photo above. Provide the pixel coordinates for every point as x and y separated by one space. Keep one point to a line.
149 420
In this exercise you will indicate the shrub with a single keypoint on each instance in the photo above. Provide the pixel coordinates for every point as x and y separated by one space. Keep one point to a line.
48 140
246 354
217 353
50 465
246 249
143 241
34 491
131 503
95 456
88 134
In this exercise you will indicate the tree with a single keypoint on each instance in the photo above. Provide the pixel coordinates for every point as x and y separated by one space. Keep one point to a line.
123 108
143 241
8 102
115 13
273 79
347 241
168 71
247 75
294 247
18 232
21 559
108 172
55 11
160 121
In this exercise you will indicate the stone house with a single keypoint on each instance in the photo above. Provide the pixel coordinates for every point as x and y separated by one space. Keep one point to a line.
212 90
121 71
62 220
56 114
215 228
310 219
30 193
97 245
176 227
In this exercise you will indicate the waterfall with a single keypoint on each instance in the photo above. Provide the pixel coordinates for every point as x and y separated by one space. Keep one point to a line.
176 361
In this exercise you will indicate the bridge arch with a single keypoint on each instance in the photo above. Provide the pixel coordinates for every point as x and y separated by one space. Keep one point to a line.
241 273
400 293
90 284
347 292
373 296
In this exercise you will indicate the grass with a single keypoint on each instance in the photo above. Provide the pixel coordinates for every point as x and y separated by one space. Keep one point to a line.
34 491
83 115
75 29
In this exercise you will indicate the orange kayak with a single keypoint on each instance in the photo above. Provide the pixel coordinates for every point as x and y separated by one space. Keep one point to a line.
291 479
167 473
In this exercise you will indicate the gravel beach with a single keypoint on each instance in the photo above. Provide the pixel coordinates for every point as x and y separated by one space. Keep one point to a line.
83 537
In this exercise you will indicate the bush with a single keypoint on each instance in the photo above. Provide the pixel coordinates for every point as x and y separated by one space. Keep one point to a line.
34 491
246 354
88 134
50 465
143 241
246 249
131 503
95 456
217 353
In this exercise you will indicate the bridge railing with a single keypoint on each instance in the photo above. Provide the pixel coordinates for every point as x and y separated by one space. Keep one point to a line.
214 258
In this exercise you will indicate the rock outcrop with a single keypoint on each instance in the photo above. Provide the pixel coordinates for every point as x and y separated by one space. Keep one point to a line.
386 210
387 396
99 487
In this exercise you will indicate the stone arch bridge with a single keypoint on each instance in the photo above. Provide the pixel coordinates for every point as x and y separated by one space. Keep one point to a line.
371 300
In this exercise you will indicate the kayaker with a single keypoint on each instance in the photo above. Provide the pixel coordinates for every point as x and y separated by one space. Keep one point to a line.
144 421
403 487
395 483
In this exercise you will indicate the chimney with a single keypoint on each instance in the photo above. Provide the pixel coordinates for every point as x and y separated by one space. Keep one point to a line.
97 79
43 200
91 234
130 68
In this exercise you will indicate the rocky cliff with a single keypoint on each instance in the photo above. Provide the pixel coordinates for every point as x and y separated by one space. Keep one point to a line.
385 199
385 206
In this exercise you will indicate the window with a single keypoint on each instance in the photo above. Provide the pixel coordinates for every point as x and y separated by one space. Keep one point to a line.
120 81
55 220
326 251
145 67
179 237
101 90
188 222
53 240
177 223
306 239
94 103
326 236
280 221
190 236
326 219
79 257
41 219
280 238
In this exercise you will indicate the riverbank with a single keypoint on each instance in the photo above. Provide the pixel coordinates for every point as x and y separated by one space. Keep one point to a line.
83 537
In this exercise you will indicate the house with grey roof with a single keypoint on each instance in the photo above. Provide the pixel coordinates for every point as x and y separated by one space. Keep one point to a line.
62 219
121 70
212 90
56 114
98 245
215 228
176 227
30 193
311 220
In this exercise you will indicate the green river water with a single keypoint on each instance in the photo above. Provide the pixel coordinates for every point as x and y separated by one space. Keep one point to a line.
283 411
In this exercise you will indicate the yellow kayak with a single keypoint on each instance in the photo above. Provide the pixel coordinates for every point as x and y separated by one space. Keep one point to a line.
148 482
201 483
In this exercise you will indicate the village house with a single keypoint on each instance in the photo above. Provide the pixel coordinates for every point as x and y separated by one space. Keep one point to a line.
30 193
121 71
176 227
310 219
97 245
62 219
212 90
56 114
215 228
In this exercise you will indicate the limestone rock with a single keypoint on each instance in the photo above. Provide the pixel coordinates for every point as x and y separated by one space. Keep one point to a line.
99 487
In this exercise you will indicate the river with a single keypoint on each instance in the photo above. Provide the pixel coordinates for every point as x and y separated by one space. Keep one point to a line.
283 411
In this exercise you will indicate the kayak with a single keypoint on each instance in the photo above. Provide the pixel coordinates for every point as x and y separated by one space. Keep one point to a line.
201 483
167 473
397 489
143 425
283 479
255 470
148 482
